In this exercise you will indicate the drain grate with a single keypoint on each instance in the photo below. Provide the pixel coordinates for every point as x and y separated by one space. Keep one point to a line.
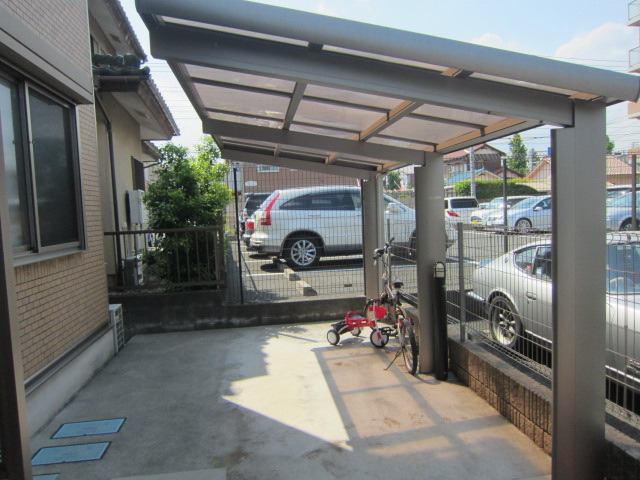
70 453
81 429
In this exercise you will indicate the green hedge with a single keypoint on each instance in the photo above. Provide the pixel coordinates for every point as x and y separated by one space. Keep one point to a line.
486 189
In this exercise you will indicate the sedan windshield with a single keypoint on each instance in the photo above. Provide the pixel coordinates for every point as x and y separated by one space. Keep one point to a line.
623 200
623 269
528 203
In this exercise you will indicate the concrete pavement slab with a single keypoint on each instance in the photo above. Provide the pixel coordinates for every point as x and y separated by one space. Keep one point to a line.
279 402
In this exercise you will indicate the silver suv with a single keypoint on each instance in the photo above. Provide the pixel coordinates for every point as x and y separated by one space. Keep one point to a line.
302 225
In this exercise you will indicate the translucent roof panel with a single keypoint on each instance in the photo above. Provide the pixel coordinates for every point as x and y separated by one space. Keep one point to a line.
238 78
458 115
234 31
242 102
394 142
245 120
322 131
414 129
348 96
385 58
333 115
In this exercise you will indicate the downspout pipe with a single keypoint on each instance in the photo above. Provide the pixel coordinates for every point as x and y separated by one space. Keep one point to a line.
357 36
112 169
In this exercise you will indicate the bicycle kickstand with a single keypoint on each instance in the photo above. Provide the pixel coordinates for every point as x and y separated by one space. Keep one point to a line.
394 359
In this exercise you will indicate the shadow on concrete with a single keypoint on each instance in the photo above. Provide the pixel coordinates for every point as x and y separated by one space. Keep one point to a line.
278 402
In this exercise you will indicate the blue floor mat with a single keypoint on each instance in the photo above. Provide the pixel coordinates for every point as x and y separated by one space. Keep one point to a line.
70 453
81 429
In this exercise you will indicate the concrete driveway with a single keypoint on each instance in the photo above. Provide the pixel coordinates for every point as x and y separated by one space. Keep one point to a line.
280 403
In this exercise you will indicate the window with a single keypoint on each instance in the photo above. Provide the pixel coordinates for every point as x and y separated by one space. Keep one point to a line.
268 169
524 259
39 144
137 170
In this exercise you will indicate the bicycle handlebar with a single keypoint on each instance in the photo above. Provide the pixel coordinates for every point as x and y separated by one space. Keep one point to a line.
378 252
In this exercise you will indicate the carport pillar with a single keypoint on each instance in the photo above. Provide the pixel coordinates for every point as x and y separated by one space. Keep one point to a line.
578 188
372 234
430 236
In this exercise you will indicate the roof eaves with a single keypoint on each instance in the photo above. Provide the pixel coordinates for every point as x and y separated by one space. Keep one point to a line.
124 25
153 98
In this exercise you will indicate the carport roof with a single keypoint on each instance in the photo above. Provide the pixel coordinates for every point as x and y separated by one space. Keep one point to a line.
283 87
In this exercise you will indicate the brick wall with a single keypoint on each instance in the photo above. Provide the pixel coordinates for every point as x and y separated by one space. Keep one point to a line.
527 404
62 301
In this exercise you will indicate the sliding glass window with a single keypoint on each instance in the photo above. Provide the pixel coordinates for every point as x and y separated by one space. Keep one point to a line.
39 144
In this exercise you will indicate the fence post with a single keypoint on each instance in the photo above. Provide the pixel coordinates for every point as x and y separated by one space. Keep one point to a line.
462 292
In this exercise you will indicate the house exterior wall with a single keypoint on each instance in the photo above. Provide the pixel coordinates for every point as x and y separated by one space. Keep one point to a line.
63 300
268 181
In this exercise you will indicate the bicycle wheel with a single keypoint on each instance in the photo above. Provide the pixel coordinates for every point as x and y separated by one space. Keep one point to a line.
409 345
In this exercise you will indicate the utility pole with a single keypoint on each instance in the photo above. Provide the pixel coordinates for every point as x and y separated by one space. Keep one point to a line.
472 166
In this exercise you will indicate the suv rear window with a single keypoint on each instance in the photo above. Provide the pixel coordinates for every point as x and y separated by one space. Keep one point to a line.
320 201
463 203
254 201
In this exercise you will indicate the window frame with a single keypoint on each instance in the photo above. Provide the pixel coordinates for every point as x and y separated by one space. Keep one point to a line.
34 251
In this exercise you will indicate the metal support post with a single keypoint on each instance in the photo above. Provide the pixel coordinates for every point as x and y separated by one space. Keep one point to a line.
634 200
14 434
579 310
372 233
431 235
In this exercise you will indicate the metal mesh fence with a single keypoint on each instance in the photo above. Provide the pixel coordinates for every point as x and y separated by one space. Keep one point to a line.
303 237
499 291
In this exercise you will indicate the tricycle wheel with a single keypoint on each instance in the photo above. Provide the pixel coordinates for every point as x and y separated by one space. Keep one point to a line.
333 336
378 339
356 331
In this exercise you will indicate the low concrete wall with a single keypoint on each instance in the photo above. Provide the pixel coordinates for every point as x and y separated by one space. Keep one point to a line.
527 404
171 312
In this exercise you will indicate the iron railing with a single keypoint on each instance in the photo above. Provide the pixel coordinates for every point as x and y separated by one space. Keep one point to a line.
169 258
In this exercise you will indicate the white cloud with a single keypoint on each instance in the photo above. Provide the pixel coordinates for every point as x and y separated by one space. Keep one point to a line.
323 7
495 41
611 42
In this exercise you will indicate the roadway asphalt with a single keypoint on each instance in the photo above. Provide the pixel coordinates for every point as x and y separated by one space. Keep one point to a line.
279 402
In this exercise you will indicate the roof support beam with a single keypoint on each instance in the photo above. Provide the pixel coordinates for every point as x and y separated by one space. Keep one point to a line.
308 140
395 114
291 62
239 156
296 98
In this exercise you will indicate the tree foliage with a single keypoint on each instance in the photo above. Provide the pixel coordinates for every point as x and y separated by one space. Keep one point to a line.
518 157
190 191
610 146
394 182
487 189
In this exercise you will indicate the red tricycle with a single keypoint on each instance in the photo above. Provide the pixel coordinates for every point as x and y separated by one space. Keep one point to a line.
354 323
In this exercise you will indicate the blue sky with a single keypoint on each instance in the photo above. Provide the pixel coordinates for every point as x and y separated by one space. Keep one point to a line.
591 32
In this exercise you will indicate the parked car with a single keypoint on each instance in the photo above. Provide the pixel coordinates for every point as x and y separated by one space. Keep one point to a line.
478 217
530 214
249 227
619 212
459 209
515 289
253 201
305 224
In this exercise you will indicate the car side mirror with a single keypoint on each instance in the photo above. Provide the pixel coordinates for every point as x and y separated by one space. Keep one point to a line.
537 209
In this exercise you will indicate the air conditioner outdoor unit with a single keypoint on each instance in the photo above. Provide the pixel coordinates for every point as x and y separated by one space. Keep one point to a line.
117 326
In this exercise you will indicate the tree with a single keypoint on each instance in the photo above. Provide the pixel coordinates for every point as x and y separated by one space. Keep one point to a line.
517 160
393 181
486 189
610 146
189 191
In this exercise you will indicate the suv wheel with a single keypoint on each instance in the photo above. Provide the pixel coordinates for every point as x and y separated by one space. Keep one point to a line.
302 252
